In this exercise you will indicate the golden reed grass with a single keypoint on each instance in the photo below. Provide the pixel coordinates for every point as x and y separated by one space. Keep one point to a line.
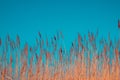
74 66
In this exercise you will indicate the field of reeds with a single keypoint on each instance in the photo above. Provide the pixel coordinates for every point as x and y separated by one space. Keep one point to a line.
88 58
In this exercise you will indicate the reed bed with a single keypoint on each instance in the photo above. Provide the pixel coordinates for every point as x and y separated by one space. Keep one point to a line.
87 59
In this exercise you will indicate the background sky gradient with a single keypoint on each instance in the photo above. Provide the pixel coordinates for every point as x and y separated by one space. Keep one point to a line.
27 17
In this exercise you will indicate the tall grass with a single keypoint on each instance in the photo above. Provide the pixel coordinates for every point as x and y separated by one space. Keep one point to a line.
83 61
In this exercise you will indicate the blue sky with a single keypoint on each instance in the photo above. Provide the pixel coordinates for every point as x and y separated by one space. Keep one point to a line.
27 17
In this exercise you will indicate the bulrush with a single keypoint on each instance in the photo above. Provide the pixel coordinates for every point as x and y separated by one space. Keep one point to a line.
118 23
26 49
0 42
60 54
47 61
17 41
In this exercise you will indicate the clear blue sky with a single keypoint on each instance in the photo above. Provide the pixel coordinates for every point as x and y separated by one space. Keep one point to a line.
27 17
